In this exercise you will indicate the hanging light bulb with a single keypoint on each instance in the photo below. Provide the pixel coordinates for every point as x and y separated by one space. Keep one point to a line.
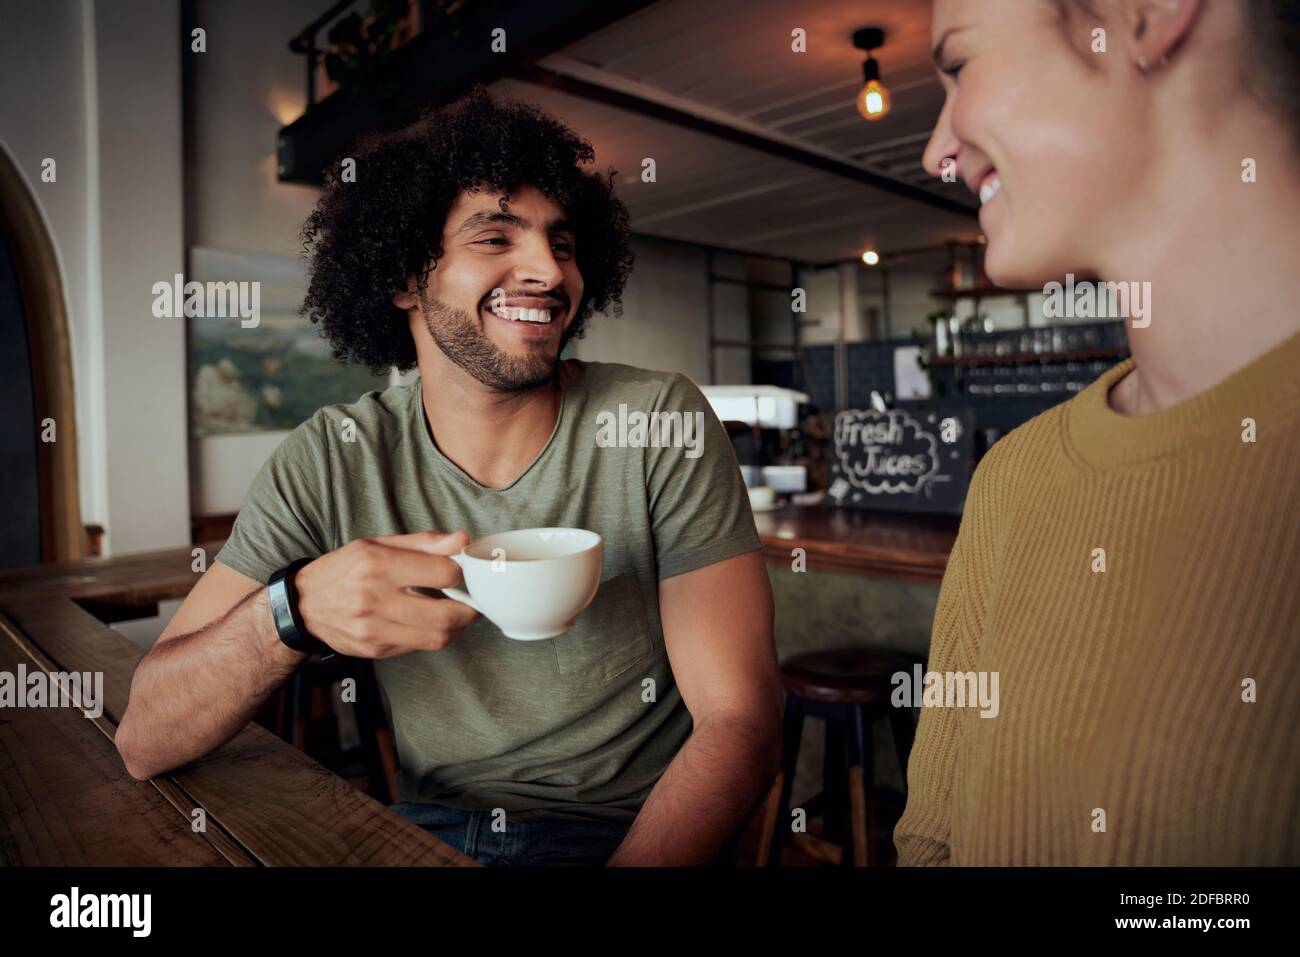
871 257
873 98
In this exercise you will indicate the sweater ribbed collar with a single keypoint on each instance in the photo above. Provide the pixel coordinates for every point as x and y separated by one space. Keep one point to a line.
1100 437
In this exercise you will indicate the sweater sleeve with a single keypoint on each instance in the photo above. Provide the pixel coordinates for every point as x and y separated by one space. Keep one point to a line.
923 834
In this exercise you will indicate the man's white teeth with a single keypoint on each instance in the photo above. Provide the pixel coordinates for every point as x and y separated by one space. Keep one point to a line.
522 315
992 185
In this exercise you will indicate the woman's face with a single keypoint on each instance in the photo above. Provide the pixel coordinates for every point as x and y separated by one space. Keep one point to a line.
1047 133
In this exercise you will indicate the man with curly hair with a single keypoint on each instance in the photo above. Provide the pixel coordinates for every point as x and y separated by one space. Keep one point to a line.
473 246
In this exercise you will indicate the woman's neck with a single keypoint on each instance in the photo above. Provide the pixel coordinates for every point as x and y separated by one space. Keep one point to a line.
1220 256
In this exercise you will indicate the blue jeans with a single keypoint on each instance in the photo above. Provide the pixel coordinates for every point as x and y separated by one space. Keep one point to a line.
536 843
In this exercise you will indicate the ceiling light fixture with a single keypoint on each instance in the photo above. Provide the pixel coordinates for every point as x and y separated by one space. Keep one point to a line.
873 98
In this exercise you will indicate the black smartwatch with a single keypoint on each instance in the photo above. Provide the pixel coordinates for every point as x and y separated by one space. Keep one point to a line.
288 620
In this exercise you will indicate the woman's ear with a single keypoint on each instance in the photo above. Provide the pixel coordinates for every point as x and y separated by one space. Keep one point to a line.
1156 27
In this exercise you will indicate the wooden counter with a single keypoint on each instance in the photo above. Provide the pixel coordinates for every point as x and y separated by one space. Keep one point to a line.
140 578
67 799
893 545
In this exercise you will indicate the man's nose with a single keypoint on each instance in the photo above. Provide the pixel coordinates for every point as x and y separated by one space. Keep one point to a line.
538 265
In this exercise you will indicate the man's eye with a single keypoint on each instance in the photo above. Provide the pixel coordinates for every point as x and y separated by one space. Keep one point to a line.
953 70
558 244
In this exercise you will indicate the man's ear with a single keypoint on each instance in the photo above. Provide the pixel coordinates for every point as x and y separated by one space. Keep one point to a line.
1156 27
408 298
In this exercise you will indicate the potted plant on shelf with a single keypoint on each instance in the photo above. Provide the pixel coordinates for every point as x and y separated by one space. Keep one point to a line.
361 47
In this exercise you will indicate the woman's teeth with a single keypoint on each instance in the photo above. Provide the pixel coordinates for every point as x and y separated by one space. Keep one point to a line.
521 315
990 188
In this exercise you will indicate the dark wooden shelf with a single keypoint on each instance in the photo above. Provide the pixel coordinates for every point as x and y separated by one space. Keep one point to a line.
1029 358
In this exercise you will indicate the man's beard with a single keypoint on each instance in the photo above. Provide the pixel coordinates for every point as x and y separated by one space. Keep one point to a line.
463 342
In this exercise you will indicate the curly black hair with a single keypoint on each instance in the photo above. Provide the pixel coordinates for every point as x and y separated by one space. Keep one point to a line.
365 237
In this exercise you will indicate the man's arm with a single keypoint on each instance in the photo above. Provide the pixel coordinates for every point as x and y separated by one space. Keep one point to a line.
717 625
221 658
216 662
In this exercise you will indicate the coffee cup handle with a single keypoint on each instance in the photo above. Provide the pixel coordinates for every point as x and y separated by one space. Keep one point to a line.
456 594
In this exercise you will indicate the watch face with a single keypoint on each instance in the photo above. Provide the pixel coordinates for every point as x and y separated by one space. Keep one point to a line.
282 610
283 598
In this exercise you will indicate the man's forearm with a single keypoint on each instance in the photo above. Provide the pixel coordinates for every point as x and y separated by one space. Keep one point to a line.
716 779
194 692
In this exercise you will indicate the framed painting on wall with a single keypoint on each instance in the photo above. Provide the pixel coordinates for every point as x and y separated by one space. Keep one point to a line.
260 366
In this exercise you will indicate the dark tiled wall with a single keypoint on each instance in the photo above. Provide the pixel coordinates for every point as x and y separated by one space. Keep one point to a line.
871 366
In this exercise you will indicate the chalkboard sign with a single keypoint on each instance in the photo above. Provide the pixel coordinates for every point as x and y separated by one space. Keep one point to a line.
906 460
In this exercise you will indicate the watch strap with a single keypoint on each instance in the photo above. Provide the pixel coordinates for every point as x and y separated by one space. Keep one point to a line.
283 594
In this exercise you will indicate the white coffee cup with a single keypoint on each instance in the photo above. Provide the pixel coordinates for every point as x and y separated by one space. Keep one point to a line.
531 583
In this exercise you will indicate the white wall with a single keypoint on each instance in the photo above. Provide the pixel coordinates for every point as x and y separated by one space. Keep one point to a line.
824 302
732 305
98 91
138 100
665 315
909 300
246 87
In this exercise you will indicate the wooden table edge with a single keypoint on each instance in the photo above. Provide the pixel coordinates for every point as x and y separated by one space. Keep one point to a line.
220 840
925 568
172 789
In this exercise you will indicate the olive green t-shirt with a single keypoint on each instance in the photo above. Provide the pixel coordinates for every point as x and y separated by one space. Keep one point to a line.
578 726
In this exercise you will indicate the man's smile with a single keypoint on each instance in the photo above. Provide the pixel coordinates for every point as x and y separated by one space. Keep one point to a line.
534 317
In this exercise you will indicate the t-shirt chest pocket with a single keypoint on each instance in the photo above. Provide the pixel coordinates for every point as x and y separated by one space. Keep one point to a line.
610 636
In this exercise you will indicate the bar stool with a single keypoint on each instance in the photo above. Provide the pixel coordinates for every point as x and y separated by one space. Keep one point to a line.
302 713
847 689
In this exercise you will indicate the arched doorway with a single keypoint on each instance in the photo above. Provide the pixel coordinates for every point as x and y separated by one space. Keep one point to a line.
40 515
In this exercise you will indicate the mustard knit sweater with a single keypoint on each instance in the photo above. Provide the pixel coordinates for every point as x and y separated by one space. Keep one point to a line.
1135 583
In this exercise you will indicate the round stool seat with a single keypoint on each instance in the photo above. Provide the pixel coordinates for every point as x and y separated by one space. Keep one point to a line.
844 675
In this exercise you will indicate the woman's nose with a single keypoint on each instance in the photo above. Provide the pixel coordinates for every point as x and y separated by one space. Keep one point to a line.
943 144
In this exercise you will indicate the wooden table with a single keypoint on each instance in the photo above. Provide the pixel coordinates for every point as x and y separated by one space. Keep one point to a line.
67 799
126 583
894 545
